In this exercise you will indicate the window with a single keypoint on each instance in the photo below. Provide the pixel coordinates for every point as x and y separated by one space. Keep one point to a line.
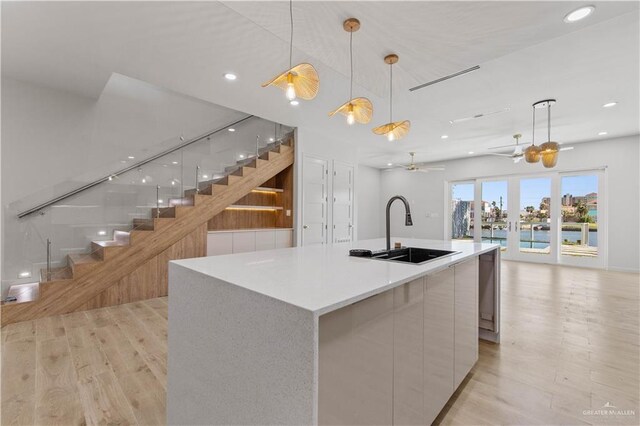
462 213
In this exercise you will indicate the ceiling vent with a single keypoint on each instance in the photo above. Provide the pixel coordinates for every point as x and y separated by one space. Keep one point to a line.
474 117
477 67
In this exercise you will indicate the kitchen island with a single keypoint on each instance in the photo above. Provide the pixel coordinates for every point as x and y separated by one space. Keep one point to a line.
309 335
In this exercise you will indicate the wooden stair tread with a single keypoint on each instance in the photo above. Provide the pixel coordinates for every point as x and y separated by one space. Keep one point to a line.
57 274
84 258
24 292
111 243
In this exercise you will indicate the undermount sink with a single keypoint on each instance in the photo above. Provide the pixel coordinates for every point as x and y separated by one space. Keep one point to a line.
414 255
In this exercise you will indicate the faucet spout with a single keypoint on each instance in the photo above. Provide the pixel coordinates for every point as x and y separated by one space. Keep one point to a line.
407 219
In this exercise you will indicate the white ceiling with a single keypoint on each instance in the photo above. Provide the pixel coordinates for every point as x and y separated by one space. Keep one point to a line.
525 50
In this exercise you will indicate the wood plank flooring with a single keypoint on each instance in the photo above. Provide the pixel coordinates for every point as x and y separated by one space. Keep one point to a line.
103 366
570 345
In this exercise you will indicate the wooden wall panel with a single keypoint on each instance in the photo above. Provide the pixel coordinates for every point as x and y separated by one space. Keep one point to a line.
284 180
151 279
243 219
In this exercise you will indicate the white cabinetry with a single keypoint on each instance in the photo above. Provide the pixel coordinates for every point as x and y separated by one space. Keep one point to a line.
284 238
408 353
356 363
438 342
397 357
466 318
265 240
219 243
246 240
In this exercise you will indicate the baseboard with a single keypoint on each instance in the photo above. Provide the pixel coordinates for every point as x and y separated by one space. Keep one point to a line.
616 269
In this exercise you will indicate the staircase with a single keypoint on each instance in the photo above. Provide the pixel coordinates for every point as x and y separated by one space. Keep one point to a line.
133 265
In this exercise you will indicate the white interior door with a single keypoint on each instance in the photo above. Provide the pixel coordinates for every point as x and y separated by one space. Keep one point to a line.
315 174
342 202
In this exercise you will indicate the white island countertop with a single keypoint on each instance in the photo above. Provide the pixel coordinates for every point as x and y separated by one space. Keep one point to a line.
324 278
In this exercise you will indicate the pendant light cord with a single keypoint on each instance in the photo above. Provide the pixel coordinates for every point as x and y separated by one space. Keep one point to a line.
351 58
390 93
291 34
533 132
549 123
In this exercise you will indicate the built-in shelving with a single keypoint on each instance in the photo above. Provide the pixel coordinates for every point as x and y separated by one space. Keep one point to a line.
265 189
269 205
245 207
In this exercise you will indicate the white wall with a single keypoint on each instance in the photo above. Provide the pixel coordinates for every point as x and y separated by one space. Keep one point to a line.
621 156
370 214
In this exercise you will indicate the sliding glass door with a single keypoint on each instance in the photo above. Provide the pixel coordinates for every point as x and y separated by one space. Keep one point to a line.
581 218
549 217
534 231
494 205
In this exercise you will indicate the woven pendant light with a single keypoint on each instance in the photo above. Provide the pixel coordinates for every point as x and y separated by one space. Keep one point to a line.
357 110
394 130
549 150
301 81
532 152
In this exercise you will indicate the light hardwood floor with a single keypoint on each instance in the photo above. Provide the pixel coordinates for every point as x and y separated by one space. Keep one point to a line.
570 345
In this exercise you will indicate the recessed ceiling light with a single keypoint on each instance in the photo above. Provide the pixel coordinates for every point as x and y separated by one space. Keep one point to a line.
102 232
123 161
131 157
205 176
389 164
160 201
471 152
294 103
444 137
174 162
144 180
241 156
230 76
231 129
602 133
609 104
271 139
579 14
24 274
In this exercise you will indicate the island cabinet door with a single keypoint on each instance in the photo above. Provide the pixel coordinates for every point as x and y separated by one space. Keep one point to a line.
466 318
438 342
408 354
355 376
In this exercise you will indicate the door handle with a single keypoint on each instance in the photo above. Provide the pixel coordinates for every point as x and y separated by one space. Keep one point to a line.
304 227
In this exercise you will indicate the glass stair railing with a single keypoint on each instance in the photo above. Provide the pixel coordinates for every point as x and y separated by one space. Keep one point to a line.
64 236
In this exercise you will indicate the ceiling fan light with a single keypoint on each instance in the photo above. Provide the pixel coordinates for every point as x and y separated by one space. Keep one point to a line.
532 154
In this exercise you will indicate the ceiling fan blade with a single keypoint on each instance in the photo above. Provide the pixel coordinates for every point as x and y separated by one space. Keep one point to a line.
517 160
500 155
566 148
504 146
434 168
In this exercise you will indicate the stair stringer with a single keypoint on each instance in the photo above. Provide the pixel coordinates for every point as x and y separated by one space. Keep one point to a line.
70 295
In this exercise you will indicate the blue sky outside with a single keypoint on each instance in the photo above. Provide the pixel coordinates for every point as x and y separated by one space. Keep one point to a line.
531 190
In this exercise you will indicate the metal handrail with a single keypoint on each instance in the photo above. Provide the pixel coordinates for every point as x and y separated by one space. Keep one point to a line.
127 169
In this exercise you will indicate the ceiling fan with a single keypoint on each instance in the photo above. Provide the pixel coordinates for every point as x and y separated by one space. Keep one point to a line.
518 153
413 167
